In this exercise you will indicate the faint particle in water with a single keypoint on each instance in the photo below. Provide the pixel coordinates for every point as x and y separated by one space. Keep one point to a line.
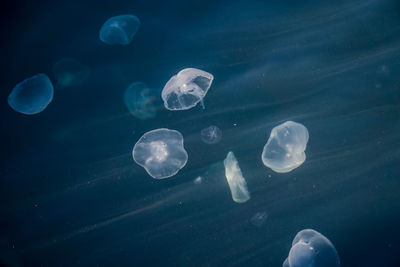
236 181
259 219
140 101
198 180
119 30
211 135
161 153
32 95
284 150
70 72
185 89
310 248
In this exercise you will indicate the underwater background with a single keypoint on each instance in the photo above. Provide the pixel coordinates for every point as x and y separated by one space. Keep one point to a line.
71 194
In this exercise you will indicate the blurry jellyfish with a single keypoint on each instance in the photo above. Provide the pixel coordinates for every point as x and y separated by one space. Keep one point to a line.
32 95
237 183
141 100
198 180
161 153
211 135
285 148
119 29
185 89
70 72
310 248
259 219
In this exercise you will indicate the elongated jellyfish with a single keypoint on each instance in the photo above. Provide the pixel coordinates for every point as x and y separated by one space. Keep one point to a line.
236 181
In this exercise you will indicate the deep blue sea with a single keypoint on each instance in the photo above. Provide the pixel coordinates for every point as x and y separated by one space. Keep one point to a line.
72 195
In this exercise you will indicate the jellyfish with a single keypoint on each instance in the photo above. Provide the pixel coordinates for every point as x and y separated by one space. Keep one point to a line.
185 89
141 100
32 95
161 153
119 30
236 181
285 148
198 180
259 218
211 135
70 72
310 248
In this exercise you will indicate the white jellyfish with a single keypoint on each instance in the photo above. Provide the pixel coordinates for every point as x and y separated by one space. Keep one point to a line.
285 148
161 153
211 135
32 95
310 248
119 29
185 89
236 181
70 72
259 218
141 100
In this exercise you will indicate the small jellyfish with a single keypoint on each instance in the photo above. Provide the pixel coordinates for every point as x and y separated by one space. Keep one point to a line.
310 248
185 89
161 153
198 180
211 135
259 219
236 181
119 30
32 95
285 148
141 100
70 72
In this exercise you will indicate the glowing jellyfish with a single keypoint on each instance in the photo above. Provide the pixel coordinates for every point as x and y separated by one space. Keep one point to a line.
310 248
119 30
161 153
259 219
211 135
141 100
185 89
32 95
285 148
198 180
236 181
70 72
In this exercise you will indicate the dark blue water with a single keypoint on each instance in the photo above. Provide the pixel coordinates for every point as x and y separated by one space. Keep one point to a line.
71 194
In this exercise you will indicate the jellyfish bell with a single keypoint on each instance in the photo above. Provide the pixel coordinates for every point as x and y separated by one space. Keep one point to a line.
70 72
284 150
141 101
310 248
119 30
161 153
32 95
211 135
186 89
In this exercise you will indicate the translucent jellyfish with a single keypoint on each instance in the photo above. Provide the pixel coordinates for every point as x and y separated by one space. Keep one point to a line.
285 148
310 248
236 181
198 180
119 29
259 219
141 100
161 153
70 72
211 135
32 95
186 89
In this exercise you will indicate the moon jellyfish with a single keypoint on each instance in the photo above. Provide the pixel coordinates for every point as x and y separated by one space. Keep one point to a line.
185 89
198 180
140 101
310 248
285 148
259 219
211 135
161 153
32 95
70 72
237 183
119 30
